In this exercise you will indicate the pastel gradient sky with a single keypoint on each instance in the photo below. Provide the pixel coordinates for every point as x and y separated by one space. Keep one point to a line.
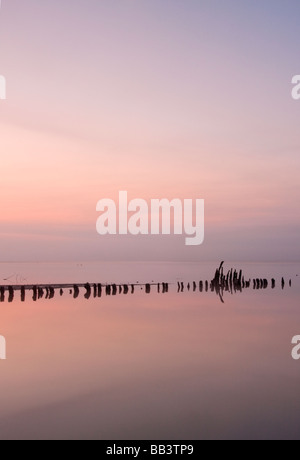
162 98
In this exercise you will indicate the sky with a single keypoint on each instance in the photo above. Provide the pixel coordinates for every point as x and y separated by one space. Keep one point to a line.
162 98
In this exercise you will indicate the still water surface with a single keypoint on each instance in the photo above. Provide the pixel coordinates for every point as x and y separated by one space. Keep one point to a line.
150 366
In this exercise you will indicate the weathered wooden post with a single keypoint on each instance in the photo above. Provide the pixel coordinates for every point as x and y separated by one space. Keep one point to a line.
2 294
51 292
35 293
273 283
88 289
11 294
75 291
95 291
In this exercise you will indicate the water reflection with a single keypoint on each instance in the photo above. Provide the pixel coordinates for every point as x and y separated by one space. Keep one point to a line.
233 281
163 365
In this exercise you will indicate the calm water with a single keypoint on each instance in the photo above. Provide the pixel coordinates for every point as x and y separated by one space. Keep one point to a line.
159 366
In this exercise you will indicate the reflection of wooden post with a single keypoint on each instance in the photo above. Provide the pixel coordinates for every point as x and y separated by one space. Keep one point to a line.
35 293
234 281
273 283
11 294
165 288
240 277
76 292
95 291
88 293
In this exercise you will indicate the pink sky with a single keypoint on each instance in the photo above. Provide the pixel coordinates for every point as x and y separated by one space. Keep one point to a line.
162 101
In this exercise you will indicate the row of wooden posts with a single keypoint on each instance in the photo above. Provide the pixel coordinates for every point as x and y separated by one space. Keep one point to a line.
91 290
233 282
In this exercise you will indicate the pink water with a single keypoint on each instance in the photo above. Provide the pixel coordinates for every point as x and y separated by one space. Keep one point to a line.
157 366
